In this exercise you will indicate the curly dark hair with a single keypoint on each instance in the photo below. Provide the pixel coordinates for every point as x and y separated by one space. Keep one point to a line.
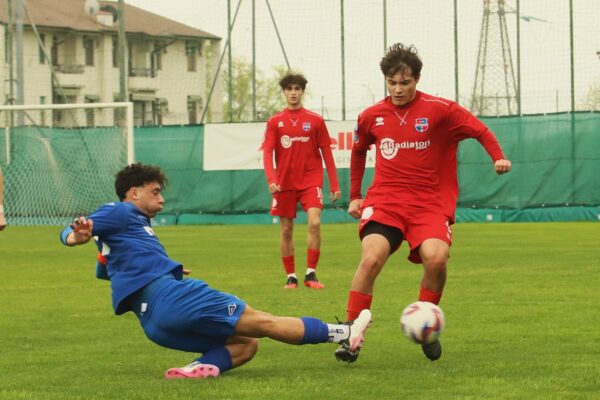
400 58
138 174
293 79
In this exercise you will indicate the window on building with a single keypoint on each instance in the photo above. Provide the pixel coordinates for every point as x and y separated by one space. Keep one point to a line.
88 45
160 107
190 51
115 51
194 106
54 51
41 55
62 117
143 113
157 55
90 113
43 112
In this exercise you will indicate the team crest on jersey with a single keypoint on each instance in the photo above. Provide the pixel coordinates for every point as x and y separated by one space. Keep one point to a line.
231 308
306 126
422 125
280 124
379 121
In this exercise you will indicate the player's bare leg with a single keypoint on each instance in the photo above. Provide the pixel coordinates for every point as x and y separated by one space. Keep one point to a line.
313 245
257 324
286 247
375 252
434 254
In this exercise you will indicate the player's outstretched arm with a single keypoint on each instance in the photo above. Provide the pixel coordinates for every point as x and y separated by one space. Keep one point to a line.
502 166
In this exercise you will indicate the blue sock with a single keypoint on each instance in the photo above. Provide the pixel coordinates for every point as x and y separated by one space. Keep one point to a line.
218 357
315 331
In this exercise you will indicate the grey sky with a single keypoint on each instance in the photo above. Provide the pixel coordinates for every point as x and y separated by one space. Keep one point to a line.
310 33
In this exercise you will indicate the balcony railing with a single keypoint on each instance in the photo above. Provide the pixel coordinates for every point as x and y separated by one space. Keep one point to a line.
142 72
70 68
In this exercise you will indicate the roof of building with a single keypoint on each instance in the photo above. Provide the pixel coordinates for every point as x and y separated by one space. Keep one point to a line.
71 15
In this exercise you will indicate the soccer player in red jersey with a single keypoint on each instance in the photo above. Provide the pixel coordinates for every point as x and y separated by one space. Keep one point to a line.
414 190
300 142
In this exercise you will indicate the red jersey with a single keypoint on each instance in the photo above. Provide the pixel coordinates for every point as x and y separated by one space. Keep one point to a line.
416 147
301 142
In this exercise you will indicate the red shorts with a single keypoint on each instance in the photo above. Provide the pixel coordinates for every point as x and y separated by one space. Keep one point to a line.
284 203
416 224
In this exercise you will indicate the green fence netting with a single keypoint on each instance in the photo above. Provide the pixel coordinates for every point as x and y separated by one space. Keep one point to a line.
555 176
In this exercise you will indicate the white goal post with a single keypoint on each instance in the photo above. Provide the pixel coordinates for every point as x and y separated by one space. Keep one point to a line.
59 160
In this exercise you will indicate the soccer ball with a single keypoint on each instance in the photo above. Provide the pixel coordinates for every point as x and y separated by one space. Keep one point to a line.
422 322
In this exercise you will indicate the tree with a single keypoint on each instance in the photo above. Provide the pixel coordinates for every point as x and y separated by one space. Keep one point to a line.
269 99
591 101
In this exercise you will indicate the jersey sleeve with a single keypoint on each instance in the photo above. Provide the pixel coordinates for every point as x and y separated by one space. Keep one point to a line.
464 125
361 139
108 219
268 148
325 146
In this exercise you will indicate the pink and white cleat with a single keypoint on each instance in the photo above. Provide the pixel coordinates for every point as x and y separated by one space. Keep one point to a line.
193 371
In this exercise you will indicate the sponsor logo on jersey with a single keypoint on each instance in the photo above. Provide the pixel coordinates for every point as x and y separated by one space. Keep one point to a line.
379 121
306 126
280 124
422 125
149 230
389 147
287 141
231 308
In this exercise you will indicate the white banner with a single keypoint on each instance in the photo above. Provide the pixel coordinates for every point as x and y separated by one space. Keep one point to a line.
238 146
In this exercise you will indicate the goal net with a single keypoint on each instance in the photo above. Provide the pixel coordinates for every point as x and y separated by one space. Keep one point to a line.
59 160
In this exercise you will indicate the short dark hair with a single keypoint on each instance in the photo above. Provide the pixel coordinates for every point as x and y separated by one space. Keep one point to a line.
293 79
399 58
138 174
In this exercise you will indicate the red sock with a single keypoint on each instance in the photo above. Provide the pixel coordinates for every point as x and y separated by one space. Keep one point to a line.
357 302
312 258
288 264
429 295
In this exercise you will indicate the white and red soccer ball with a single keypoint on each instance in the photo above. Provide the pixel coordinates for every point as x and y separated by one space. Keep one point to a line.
422 322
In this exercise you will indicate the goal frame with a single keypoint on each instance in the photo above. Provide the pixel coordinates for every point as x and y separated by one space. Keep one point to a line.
128 106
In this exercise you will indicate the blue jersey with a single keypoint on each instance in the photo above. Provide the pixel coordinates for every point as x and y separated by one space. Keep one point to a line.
134 255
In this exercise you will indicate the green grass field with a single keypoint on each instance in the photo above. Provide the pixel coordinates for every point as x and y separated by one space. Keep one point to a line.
521 305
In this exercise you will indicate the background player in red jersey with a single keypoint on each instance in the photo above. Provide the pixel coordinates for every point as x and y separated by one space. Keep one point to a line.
300 142
414 191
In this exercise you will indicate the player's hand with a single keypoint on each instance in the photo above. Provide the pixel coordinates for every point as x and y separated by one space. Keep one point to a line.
335 196
187 271
274 188
502 166
2 221
354 208
82 230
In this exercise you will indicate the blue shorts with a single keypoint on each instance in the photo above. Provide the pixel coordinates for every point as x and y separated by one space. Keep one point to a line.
186 314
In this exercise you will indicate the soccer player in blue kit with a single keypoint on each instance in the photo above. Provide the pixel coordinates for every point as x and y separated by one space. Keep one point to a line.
184 314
